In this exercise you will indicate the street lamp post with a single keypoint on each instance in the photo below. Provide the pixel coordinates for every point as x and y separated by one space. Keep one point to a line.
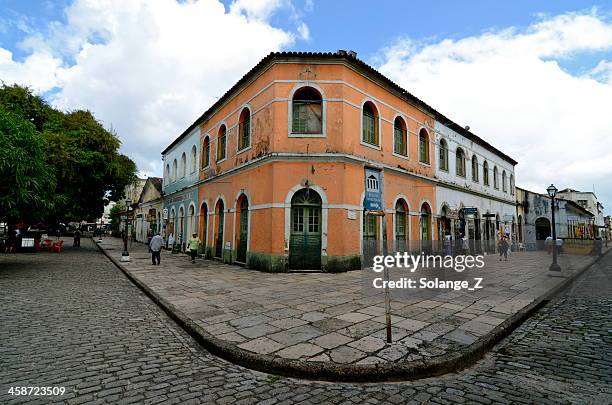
125 256
555 269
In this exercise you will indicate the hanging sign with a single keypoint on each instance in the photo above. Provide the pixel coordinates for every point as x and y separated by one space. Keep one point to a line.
373 190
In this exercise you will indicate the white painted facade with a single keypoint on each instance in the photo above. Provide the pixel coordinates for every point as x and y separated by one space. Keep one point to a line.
455 191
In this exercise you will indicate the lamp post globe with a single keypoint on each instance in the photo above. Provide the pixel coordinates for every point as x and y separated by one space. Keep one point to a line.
555 269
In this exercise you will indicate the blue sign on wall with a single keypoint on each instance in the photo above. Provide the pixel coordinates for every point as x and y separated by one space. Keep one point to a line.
373 190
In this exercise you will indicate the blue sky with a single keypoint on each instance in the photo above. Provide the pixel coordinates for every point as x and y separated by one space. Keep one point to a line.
534 78
341 24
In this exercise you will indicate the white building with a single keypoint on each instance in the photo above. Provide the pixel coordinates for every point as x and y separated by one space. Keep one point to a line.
587 200
148 213
475 193
572 221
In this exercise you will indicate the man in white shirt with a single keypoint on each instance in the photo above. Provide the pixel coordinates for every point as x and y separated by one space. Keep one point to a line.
155 245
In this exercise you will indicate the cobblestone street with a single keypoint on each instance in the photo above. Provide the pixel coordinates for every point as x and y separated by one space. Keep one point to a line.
74 320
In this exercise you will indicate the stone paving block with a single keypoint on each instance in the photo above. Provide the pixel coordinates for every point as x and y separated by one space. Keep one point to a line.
300 350
257 330
361 329
453 306
490 320
314 316
287 323
262 345
411 324
393 352
461 336
411 342
396 333
428 304
331 340
354 317
231 337
296 335
477 328
345 354
368 344
331 324
251 320
373 310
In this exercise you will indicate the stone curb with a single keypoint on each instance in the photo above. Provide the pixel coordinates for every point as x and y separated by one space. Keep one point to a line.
447 363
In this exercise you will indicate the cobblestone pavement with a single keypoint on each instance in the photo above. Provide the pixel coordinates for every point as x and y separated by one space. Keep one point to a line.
74 320
333 319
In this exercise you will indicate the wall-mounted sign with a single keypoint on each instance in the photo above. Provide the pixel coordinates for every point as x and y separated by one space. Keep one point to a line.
470 210
373 190
452 214
165 213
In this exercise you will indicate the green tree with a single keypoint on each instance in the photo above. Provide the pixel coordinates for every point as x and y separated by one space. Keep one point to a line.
84 166
115 218
27 183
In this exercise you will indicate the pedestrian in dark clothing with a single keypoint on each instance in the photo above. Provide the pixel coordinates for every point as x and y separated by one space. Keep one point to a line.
155 247
503 248
77 239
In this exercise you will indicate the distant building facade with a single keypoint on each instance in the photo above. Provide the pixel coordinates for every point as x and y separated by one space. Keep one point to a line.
587 200
180 187
572 221
148 212
475 192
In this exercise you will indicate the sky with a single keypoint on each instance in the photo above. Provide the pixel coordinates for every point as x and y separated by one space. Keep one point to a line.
532 78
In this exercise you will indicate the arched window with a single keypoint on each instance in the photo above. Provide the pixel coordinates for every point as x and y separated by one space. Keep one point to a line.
485 173
370 124
401 217
504 186
221 143
183 165
400 137
511 184
206 152
475 168
460 164
167 173
425 222
174 170
244 129
423 146
307 112
495 180
443 155
194 162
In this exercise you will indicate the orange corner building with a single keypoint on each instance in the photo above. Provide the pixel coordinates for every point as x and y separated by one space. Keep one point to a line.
284 155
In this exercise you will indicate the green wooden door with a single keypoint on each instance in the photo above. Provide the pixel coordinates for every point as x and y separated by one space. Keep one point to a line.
219 241
243 231
305 241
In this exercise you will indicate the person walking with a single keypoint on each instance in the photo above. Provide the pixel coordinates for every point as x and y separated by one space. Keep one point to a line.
194 243
77 239
171 242
503 248
155 247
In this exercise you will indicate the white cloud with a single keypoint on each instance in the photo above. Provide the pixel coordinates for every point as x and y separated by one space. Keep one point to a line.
508 86
304 32
258 9
148 68
39 70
